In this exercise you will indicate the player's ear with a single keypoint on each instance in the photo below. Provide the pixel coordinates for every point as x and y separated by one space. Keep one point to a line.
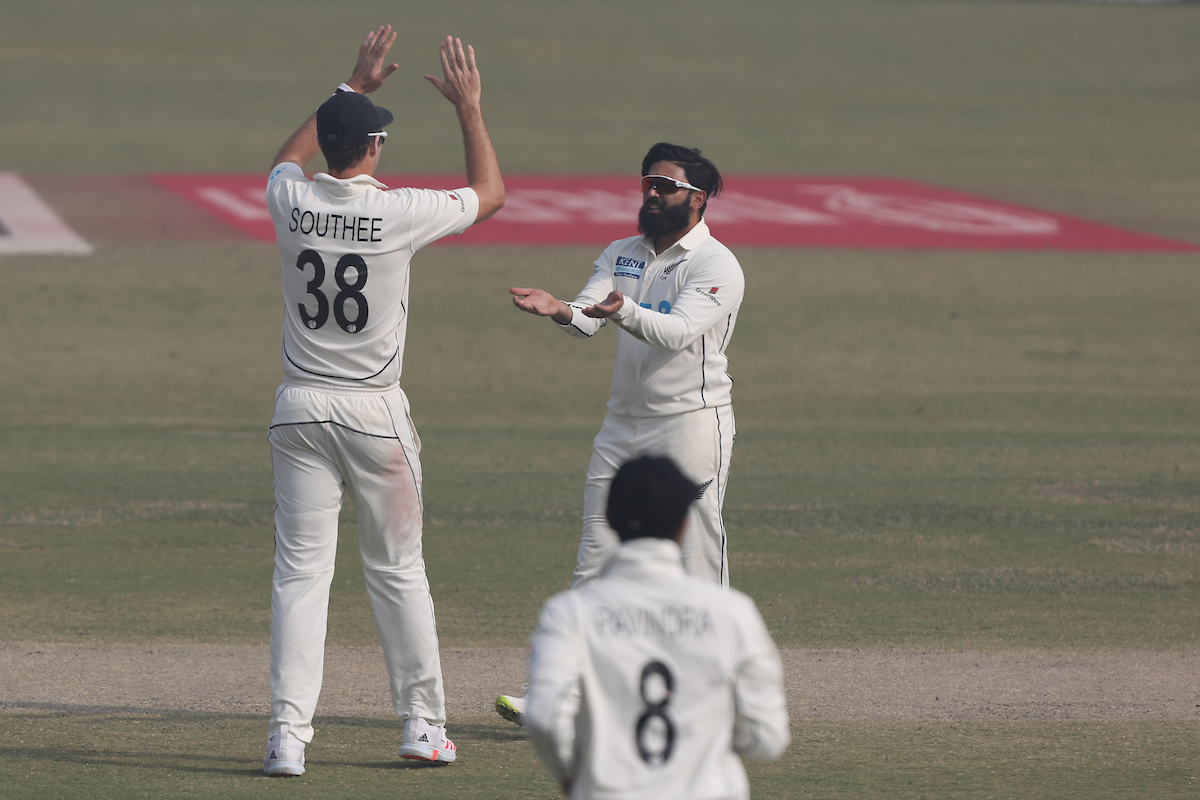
699 199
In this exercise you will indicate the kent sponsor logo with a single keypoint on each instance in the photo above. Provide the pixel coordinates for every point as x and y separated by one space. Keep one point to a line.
628 268
710 295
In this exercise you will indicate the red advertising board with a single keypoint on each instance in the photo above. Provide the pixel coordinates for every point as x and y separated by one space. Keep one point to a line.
752 211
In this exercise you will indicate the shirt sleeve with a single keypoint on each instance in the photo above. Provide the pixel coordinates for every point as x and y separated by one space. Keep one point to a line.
277 182
596 289
555 676
435 213
760 727
712 291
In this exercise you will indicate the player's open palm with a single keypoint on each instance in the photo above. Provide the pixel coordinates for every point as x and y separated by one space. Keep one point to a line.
535 301
609 306
369 71
461 85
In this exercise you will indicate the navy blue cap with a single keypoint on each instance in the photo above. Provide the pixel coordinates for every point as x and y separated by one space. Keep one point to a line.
345 120
649 497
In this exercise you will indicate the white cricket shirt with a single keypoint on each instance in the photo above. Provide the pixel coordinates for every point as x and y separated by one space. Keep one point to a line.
679 313
647 683
344 249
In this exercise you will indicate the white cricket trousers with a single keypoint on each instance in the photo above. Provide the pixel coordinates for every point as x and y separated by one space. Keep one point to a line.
701 443
321 444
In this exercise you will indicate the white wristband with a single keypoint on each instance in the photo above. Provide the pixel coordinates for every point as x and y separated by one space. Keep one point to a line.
345 88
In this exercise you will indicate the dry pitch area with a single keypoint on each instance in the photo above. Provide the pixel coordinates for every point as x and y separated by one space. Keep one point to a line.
821 685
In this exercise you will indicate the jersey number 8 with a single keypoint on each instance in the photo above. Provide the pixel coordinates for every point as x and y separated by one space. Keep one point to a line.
654 723
349 291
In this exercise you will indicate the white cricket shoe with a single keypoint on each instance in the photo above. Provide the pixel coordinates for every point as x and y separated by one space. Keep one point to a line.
511 708
285 755
425 742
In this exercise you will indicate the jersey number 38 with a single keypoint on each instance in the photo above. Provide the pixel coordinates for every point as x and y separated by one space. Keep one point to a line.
348 291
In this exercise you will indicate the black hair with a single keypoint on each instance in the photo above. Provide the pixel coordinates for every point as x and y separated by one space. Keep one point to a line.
699 170
342 160
649 497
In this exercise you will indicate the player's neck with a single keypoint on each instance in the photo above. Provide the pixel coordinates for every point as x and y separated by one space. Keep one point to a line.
365 166
661 243
353 172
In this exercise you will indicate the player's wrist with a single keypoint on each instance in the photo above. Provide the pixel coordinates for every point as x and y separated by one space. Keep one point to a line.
564 315
469 111
346 87
623 310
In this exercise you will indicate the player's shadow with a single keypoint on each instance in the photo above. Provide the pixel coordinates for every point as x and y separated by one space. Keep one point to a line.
195 763
498 731
193 760
463 735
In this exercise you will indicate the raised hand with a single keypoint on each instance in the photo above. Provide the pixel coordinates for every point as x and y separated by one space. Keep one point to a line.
607 308
461 85
369 71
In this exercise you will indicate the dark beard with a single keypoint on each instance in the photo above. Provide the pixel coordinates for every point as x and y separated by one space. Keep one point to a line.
668 220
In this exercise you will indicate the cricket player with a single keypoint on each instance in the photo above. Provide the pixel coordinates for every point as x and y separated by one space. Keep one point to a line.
341 421
674 295
648 683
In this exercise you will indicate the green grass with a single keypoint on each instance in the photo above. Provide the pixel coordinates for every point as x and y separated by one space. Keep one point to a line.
992 450
118 755
936 450
963 92
105 755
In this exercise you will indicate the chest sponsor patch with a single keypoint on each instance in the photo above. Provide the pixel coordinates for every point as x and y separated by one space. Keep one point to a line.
628 268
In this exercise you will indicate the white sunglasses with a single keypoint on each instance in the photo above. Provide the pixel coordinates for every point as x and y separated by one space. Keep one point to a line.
665 185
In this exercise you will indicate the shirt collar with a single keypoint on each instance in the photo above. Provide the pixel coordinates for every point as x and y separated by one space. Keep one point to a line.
690 241
347 185
647 558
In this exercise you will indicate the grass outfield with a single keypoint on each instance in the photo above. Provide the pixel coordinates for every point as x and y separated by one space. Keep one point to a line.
936 450
948 451
136 755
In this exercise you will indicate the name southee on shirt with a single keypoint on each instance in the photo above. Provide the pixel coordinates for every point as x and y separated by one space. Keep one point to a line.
336 226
